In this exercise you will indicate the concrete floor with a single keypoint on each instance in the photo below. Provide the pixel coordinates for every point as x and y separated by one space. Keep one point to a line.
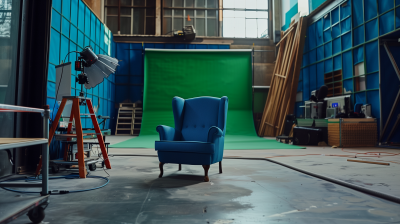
248 191
323 160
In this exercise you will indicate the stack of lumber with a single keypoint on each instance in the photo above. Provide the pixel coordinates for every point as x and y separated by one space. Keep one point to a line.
282 95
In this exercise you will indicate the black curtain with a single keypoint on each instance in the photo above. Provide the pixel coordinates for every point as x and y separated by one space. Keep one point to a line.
32 75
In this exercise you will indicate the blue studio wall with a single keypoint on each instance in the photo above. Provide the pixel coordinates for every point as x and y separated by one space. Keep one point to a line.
345 37
129 77
74 26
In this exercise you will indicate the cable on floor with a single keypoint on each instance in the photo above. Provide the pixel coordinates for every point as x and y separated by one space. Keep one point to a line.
70 176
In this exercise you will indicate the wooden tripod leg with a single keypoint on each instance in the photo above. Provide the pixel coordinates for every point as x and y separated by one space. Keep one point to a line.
98 133
180 166
206 168
79 138
161 165
220 167
52 131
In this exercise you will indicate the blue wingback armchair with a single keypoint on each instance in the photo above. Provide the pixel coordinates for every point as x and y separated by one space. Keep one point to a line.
198 136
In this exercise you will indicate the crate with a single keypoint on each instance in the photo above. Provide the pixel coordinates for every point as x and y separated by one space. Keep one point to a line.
352 132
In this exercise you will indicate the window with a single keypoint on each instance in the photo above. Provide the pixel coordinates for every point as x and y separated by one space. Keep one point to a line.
136 16
9 47
245 18
202 14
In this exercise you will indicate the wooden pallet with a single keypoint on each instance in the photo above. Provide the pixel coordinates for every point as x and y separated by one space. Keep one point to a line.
282 95
129 119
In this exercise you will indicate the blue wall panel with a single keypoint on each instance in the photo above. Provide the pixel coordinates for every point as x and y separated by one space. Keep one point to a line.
358 15
350 32
371 30
347 65
72 30
386 23
371 9
371 55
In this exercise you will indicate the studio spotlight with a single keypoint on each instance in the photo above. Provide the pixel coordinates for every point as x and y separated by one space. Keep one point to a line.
94 67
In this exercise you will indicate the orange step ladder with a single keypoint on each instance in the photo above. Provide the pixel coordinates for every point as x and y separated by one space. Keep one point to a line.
75 113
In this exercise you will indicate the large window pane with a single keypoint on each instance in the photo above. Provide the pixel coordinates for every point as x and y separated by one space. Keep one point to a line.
244 20
151 3
168 3
262 4
168 12
126 2
229 3
200 27
150 26
251 28
178 3
167 25
240 27
251 14
188 23
201 3
212 4
178 23
112 23
211 27
9 29
112 2
262 26
150 12
251 4
229 14
200 13
125 25
229 27
190 13
262 14
125 11
178 12
112 11
138 2
240 4
138 21
211 13
240 14
189 3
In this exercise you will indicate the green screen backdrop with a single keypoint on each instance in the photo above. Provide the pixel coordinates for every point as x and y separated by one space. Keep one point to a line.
195 73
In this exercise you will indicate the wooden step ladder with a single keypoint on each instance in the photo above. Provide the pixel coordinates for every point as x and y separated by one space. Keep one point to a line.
129 119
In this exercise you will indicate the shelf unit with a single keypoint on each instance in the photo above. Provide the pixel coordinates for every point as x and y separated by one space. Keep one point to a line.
13 207
333 80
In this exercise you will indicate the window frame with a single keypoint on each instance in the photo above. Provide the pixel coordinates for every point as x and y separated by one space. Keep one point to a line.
132 6
194 8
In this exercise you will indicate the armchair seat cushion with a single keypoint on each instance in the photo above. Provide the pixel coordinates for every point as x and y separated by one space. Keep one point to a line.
185 146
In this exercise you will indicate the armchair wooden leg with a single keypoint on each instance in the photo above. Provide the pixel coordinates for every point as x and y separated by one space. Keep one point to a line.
206 168
180 166
220 167
161 165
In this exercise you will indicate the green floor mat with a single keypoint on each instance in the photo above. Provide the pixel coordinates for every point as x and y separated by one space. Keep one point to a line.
232 142
194 73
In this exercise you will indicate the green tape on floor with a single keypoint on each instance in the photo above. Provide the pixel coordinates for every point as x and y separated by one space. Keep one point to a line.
189 74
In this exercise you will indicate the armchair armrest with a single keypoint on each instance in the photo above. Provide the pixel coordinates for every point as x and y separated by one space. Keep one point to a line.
214 133
166 133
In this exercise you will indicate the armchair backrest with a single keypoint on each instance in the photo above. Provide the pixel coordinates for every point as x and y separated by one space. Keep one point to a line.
194 117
